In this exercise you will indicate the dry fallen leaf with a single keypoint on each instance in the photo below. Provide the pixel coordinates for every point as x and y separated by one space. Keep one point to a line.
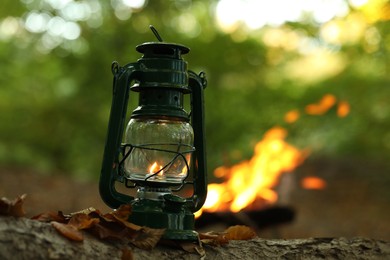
240 233
232 233
123 212
127 254
13 207
104 230
128 224
213 238
147 238
113 225
68 231
86 211
50 216
192 247
82 221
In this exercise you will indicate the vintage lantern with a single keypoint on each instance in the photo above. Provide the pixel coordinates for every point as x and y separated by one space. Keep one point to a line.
163 148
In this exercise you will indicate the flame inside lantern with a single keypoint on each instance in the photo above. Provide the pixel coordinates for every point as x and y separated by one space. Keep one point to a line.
157 171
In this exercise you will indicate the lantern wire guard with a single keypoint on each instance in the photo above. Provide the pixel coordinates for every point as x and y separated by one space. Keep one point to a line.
130 148
161 78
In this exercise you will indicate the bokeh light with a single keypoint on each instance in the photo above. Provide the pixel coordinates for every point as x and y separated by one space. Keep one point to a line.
256 14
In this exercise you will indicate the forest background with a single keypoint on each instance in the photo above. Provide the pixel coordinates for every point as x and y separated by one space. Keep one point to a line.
268 64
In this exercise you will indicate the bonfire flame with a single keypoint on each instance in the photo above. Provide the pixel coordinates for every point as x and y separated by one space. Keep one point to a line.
252 180
320 108
313 183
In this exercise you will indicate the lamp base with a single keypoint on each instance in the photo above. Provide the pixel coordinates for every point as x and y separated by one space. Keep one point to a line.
178 220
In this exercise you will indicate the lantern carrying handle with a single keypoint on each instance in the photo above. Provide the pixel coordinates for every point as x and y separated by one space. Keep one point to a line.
111 169
197 83
155 32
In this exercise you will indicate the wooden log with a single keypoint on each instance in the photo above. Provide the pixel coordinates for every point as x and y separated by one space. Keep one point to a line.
22 238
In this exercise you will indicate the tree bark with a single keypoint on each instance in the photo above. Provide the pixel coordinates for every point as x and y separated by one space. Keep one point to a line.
22 238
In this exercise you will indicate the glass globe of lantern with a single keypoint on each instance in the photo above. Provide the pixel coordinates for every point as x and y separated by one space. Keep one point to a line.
161 150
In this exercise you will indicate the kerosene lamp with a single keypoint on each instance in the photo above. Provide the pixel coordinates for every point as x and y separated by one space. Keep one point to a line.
163 148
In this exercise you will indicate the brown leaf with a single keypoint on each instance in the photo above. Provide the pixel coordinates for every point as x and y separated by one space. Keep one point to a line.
113 225
210 235
147 238
14 207
95 213
192 247
50 216
82 221
108 231
213 238
188 246
108 217
86 211
68 231
121 216
123 212
127 224
240 233
127 254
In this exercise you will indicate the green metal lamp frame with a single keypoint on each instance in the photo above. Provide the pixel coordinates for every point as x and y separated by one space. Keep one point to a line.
161 78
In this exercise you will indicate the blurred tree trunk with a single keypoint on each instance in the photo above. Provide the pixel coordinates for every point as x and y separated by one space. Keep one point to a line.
22 238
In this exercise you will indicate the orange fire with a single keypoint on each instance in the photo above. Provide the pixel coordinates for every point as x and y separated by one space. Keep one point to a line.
252 181
322 106
313 183
291 116
155 168
343 109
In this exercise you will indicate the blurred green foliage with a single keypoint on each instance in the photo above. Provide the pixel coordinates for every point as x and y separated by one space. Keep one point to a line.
56 81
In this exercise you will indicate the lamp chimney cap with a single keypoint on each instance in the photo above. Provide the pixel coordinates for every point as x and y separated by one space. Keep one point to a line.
160 48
